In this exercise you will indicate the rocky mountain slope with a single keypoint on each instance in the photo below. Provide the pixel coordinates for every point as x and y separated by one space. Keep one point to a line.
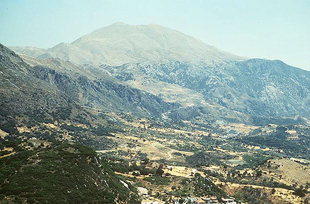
255 87
24 95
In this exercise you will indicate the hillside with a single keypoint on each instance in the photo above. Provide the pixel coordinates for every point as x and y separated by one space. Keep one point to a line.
61 173
23 95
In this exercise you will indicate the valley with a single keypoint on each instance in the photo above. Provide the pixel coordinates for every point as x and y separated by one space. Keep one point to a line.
153 120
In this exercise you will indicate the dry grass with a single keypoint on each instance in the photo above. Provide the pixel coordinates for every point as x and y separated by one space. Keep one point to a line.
3 134
289 172
239 127
279 196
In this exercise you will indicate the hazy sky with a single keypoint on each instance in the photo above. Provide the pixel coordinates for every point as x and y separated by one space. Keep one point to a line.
273 29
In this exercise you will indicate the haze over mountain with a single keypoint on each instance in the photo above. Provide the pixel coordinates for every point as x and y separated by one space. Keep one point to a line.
121 43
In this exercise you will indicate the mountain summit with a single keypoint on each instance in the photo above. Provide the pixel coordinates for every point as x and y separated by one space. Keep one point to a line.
121 43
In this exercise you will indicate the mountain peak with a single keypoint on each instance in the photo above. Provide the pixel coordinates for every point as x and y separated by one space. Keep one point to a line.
122 43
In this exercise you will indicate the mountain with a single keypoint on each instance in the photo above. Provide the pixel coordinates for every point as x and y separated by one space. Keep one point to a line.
121 43
179 69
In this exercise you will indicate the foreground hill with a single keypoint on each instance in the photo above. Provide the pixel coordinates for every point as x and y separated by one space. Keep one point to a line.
59 173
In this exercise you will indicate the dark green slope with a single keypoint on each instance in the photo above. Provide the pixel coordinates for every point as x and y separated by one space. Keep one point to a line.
60 173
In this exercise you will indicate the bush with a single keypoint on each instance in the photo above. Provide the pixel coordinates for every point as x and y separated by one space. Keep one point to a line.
158 180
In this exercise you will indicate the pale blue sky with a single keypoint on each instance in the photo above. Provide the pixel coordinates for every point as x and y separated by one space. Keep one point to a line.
273 29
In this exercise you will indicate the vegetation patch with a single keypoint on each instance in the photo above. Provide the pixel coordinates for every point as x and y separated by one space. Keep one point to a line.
158 180
61 173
